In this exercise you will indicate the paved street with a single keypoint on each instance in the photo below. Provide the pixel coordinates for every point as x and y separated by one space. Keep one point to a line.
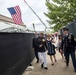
59 68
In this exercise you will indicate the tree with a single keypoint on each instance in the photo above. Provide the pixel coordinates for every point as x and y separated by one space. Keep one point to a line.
60 12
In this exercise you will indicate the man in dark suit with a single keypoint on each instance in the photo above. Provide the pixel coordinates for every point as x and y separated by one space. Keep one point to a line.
68 43
34 42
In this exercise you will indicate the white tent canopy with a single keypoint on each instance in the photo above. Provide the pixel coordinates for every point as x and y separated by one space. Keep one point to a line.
4 25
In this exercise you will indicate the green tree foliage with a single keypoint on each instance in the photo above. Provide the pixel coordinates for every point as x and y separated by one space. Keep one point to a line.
60 12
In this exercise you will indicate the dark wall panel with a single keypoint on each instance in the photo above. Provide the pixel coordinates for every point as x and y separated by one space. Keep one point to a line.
15 52
71 27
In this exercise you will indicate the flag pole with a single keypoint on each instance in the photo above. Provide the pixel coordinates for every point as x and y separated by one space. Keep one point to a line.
36 14
34 27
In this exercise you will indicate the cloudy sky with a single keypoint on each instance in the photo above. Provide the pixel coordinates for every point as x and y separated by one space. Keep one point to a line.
28 16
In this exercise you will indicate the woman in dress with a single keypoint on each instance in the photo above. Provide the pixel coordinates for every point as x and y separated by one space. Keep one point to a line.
51 48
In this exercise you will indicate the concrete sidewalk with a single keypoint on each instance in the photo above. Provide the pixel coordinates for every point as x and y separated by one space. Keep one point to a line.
59 68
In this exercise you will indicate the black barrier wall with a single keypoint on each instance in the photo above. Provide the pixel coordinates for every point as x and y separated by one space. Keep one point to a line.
15 52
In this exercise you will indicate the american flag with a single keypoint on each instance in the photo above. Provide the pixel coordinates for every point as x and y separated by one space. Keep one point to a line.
16 14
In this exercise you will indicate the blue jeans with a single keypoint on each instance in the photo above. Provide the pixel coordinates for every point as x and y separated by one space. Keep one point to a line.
73 58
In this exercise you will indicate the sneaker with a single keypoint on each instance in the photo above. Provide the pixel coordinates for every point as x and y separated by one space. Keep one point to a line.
45 68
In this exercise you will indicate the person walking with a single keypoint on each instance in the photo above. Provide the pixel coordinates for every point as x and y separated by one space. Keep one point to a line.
56 35
68 43
51 48
34 44
42 47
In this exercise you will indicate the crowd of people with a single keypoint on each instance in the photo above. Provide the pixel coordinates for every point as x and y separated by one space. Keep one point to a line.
48 44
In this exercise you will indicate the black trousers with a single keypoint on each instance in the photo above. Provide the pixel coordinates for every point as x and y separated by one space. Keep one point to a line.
73 58
36 54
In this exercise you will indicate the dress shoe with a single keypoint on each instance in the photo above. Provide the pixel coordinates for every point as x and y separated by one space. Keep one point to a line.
37 61
67 64
52 64
42 65
55 60
45 68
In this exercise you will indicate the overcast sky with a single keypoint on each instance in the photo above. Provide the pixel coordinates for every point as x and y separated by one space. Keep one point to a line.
28 16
